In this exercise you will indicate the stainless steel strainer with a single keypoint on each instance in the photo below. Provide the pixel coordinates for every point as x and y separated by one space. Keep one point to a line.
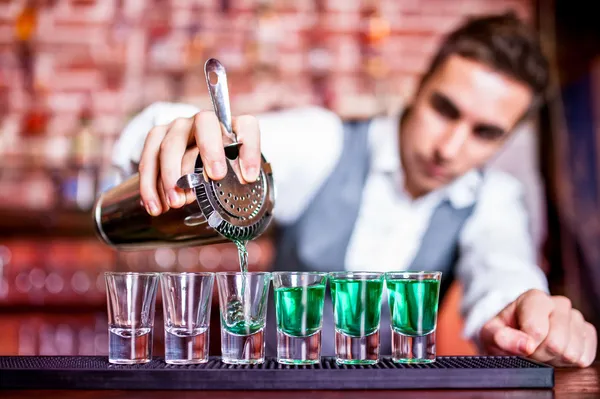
236 210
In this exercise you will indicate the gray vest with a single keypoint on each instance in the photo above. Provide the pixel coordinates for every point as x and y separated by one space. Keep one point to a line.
319 239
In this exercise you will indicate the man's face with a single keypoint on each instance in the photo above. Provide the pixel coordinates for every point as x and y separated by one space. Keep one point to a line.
460 118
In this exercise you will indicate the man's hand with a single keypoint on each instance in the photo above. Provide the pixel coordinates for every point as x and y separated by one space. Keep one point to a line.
169 152
544 328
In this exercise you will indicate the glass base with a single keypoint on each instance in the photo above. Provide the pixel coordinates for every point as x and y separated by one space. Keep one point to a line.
356 350
298 350
186 361
188 349
413 349
242 349
128 361
129 345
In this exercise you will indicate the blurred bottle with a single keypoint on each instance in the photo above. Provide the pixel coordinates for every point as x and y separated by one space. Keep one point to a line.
117 51
267 34
27 173
31 178
195 46
36 118
79 183
376 30
25 27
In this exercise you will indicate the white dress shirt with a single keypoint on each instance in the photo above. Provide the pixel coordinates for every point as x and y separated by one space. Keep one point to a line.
498 256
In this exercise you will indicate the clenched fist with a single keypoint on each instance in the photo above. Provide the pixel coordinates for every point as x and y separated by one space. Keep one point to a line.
544 328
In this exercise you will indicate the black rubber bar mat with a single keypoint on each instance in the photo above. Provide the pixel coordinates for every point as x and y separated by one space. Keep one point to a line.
94 372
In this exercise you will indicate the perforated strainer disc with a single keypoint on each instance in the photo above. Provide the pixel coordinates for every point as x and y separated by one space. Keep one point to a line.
242 201
236 210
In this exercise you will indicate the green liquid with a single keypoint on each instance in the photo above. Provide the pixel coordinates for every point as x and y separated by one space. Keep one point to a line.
299 309
413 305
245 328
356 305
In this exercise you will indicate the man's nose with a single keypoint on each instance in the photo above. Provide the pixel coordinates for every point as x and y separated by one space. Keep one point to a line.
451 143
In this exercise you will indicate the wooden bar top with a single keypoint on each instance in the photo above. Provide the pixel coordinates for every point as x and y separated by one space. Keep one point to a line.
569 383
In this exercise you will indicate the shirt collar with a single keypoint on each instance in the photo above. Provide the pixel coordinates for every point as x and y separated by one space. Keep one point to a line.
383 136
385 146
462 192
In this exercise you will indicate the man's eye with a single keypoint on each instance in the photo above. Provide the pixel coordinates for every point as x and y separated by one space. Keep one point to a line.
445 107
488 133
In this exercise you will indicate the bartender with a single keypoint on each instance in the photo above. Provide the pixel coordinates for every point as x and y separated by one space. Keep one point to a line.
403 192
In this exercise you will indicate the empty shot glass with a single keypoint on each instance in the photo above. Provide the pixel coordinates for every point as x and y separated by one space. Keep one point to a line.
186 301
413 299
356 299
131 301
299 299
243 309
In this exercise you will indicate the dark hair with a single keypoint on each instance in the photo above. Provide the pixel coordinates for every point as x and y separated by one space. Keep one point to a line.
502 42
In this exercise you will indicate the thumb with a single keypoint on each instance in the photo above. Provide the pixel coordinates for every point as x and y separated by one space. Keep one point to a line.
513 341
500 336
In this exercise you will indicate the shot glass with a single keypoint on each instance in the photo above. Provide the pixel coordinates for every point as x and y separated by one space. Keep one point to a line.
186 301
131 301
243 309
356 298
299 299
413 298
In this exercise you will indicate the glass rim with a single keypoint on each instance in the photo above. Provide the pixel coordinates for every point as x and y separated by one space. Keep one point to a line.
130 273
299 279
241 274
409 274
175 274
281 273
359 274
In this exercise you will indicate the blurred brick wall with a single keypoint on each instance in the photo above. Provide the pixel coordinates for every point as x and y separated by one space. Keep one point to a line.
116 56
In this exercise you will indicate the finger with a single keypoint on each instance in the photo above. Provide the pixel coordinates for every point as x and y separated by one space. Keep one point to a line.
590 342
187 166
533 314
209 140
554 345
148 170
486 336
162 195
172 150
574 349
248 132
498 337
513 341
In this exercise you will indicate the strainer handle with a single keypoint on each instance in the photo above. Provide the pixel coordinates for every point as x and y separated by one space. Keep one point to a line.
219 94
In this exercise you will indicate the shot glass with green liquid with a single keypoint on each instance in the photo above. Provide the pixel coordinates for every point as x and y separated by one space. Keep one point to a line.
356 298
413 299
299 299
243 303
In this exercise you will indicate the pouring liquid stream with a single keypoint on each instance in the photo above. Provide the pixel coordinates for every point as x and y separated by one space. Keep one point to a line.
243 257
242 308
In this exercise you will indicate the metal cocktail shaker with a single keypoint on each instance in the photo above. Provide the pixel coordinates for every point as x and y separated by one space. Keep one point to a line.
224 210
